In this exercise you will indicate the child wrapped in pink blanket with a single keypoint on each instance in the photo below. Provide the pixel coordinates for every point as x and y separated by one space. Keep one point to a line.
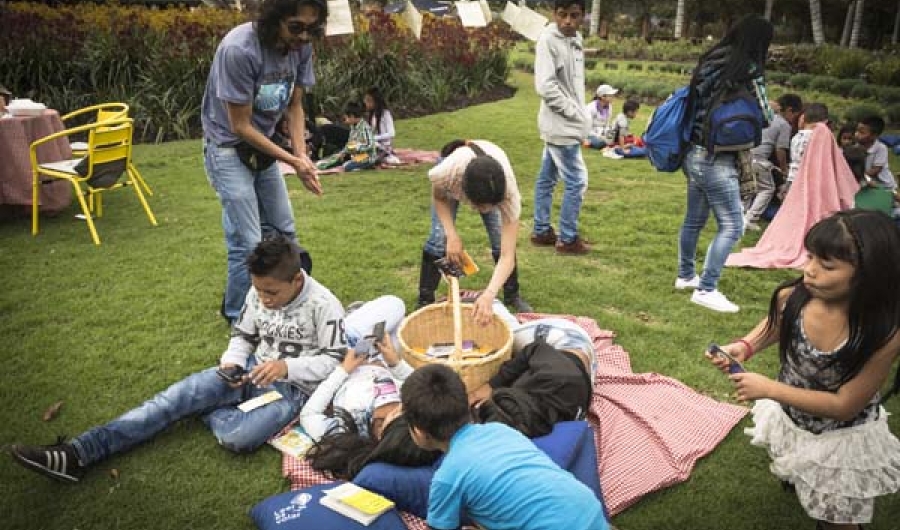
824 184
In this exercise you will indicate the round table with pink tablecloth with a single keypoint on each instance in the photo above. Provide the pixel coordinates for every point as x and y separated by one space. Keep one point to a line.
16 135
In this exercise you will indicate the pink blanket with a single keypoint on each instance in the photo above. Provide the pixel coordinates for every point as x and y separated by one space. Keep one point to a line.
824 184
649 430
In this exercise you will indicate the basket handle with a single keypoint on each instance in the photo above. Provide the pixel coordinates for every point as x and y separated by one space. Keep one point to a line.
457 318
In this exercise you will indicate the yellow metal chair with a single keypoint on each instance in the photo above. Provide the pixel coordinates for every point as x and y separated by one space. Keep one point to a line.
106 166
98 113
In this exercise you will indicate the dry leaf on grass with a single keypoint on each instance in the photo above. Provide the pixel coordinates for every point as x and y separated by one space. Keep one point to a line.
51 412
114 473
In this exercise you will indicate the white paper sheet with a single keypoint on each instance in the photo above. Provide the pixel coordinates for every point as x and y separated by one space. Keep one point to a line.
340 20
509 13
470 14
486 9
413 19
529 23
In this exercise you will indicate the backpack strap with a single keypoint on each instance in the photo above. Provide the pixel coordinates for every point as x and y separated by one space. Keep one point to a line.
474 147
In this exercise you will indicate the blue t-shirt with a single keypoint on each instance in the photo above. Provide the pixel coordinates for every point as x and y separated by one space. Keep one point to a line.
503 481
243 72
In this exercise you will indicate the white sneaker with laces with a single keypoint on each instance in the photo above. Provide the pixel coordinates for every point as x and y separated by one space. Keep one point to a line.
682 284
714 300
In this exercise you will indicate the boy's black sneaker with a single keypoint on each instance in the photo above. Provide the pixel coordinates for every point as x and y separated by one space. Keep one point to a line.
58 461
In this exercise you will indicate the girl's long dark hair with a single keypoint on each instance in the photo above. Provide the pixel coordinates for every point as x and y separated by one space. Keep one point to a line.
745 46
270 13
871 242
343 452
378 111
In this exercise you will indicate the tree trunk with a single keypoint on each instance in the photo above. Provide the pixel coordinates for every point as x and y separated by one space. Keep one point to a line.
768 13
848 19
896 26
595 17
815 18
857 23
679 20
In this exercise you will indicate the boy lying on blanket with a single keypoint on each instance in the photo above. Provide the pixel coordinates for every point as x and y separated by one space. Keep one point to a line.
491 471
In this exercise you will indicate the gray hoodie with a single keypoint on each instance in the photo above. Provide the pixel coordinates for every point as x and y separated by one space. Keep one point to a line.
559 81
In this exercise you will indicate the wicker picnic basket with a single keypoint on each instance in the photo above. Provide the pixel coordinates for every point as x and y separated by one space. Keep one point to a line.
434 324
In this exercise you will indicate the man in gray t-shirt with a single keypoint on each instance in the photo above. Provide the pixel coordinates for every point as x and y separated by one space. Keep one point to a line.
257 78
776 139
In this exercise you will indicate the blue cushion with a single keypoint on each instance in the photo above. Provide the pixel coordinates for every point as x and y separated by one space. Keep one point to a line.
301 510
406 486
570 445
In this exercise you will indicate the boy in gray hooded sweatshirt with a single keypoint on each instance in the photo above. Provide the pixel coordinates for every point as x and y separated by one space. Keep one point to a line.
563 124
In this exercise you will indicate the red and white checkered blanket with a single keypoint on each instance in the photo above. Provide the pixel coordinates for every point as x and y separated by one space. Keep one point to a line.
649 430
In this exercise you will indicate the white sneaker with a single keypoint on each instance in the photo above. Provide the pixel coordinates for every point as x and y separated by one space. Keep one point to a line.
392 160
750 225
693 283
714 300
611 153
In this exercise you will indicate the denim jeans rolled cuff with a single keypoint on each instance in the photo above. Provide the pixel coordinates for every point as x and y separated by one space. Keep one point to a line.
436 245
559 333
560 162
250 200
712 186
202 393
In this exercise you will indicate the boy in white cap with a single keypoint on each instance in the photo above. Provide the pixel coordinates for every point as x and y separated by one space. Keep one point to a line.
600 111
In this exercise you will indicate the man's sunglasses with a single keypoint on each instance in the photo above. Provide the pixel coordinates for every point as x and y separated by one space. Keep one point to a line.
296 27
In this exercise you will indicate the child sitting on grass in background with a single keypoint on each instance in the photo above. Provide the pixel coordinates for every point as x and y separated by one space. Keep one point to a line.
837 333
491 471
878 172
600 111
361 150
622 142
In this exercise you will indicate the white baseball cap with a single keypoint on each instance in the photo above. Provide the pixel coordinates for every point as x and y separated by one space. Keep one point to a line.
606 90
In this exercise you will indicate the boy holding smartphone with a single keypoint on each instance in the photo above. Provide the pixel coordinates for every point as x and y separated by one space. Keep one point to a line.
288 338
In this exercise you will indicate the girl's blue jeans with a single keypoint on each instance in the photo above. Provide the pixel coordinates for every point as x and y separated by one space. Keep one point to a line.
560 161
712 185
251 200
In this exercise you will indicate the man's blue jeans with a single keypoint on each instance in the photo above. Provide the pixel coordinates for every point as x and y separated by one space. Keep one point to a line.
437 238
564 161
202 393
712 184
251 202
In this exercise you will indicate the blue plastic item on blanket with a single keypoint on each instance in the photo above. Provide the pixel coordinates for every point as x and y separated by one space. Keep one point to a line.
301 510
570 445
634 152
890 140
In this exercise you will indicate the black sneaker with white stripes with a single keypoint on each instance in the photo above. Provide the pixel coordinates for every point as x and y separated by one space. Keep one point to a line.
58 461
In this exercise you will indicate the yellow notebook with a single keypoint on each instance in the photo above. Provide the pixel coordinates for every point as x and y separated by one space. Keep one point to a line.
368 502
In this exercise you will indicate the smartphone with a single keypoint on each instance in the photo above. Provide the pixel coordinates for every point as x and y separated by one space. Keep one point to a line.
734 366
232 374
366 345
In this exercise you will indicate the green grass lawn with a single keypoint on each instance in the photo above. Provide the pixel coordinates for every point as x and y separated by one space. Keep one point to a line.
102 329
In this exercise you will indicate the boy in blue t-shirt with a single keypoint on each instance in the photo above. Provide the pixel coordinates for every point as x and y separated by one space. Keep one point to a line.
493 473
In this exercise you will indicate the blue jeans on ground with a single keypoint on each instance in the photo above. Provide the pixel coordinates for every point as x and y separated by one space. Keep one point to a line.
252 201
202 393
712 184
437 238
564 161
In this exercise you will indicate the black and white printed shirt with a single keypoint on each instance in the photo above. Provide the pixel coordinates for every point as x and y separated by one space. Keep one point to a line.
307 333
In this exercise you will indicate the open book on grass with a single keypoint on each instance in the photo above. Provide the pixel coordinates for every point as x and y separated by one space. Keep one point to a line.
359 504
294 442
